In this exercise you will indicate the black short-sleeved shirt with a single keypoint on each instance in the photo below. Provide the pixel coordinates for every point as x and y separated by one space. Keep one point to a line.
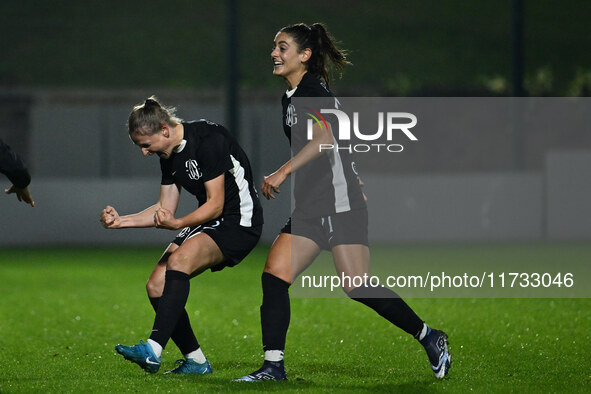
328 184
13 167
207 152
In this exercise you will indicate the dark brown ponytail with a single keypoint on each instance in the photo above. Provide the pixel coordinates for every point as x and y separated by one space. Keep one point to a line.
323 48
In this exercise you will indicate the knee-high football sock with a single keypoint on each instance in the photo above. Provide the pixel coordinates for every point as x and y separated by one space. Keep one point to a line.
183 334
275 312
171 306
390 306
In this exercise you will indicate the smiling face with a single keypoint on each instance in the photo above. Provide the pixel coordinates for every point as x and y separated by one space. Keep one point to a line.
158 143
289 61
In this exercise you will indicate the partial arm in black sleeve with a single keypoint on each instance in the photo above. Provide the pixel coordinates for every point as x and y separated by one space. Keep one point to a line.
14 168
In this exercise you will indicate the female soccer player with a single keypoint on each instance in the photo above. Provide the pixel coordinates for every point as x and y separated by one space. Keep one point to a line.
203 158
330 212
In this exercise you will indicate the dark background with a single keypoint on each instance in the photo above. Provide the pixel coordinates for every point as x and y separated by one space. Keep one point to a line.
429 47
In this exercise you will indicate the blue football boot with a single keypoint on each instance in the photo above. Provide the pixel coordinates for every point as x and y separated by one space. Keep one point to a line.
188 366
141 354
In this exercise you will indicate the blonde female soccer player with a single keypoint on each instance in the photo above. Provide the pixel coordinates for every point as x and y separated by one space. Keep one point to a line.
204 159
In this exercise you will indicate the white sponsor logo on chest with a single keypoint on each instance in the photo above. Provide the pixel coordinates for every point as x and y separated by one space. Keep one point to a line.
193 169
291 117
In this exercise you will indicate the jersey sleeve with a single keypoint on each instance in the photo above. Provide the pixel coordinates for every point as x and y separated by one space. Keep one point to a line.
216 156
13 167
314 95
165 167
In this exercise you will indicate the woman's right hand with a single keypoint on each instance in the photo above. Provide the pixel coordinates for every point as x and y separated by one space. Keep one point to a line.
110 218
272 182
22 194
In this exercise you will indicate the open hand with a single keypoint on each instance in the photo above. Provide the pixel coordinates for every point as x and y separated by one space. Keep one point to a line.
21 194
271 184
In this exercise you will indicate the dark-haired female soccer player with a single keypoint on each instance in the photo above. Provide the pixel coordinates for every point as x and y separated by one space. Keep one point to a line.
204 159
330 212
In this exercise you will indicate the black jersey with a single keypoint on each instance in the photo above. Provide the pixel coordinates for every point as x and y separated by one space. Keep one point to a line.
208 151
13 167
329 184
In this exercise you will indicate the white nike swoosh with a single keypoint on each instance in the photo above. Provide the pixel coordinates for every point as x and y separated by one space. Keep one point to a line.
150 362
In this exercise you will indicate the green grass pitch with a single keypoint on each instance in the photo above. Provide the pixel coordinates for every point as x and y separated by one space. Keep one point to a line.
62 311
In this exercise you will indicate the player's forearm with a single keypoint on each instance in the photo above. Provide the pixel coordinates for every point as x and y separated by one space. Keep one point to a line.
206 212
311 150
286 169
308 153
144 218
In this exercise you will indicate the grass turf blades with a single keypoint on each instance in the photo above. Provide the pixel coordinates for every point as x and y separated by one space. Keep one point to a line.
63 310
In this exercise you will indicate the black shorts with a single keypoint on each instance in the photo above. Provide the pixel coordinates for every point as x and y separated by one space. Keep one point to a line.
345 228
235 241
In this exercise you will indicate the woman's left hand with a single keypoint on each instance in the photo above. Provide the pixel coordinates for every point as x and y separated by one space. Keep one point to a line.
163 218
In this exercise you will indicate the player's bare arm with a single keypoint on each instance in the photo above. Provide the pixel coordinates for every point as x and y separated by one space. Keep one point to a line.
308 153
211 209
169 198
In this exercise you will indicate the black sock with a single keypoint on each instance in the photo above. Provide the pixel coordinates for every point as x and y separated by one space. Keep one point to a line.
275 312
183 334
390 306
171 306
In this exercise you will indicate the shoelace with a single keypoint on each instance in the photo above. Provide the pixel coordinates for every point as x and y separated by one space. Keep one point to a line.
180 364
